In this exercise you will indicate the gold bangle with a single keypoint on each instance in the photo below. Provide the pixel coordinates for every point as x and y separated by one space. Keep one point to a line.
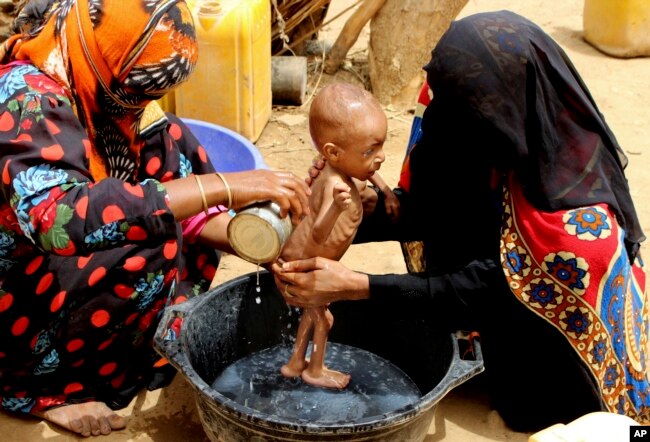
203 200
225 184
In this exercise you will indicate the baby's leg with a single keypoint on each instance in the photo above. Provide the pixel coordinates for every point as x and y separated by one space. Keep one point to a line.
297 362
316 373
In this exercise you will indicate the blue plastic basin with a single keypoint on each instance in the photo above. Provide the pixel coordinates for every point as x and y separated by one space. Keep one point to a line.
228 150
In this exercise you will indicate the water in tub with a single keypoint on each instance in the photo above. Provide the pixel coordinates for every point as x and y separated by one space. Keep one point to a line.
377 387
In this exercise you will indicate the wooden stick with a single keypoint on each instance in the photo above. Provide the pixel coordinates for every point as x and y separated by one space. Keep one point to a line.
350 33
295 41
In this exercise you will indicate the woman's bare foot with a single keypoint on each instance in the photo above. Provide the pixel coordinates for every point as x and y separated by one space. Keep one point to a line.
87 419
326 378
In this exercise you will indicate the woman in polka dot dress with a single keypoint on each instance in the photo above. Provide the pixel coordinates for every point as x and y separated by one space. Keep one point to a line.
110 209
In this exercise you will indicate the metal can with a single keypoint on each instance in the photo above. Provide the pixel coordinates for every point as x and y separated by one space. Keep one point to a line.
257 232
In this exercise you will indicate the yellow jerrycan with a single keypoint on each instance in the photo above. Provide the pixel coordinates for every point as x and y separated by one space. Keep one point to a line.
618 27
231 83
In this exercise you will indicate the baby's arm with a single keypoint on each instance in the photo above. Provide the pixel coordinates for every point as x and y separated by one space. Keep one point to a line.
391 201
336 199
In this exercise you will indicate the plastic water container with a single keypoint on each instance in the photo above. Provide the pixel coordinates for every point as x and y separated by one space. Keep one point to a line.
168 103
599 426
228 151
618 27
231 83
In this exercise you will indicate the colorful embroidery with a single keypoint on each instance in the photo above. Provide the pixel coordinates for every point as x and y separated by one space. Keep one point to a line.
588 223
597 302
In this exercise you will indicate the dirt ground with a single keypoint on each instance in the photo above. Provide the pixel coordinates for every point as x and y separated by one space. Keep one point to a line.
621 87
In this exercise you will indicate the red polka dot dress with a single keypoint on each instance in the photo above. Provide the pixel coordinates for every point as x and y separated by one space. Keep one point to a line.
85 267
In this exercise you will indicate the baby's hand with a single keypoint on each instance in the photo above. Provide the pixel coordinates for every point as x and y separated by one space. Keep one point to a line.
342 196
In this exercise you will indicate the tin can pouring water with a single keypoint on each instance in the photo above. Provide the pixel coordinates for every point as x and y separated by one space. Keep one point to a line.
258 232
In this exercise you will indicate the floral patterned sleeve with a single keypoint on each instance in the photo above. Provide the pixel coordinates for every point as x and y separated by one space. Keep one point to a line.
46 181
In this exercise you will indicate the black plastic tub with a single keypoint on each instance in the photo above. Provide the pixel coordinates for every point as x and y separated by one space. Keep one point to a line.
234 320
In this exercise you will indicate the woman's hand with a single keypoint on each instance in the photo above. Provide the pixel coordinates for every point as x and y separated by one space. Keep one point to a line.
392 204
317 165
251 186
318 281
284 188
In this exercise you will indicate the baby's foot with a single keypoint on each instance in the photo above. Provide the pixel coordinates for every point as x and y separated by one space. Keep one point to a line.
293 369
326 378
87 419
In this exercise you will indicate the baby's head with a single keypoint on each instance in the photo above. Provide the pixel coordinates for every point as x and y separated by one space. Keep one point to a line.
346 122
